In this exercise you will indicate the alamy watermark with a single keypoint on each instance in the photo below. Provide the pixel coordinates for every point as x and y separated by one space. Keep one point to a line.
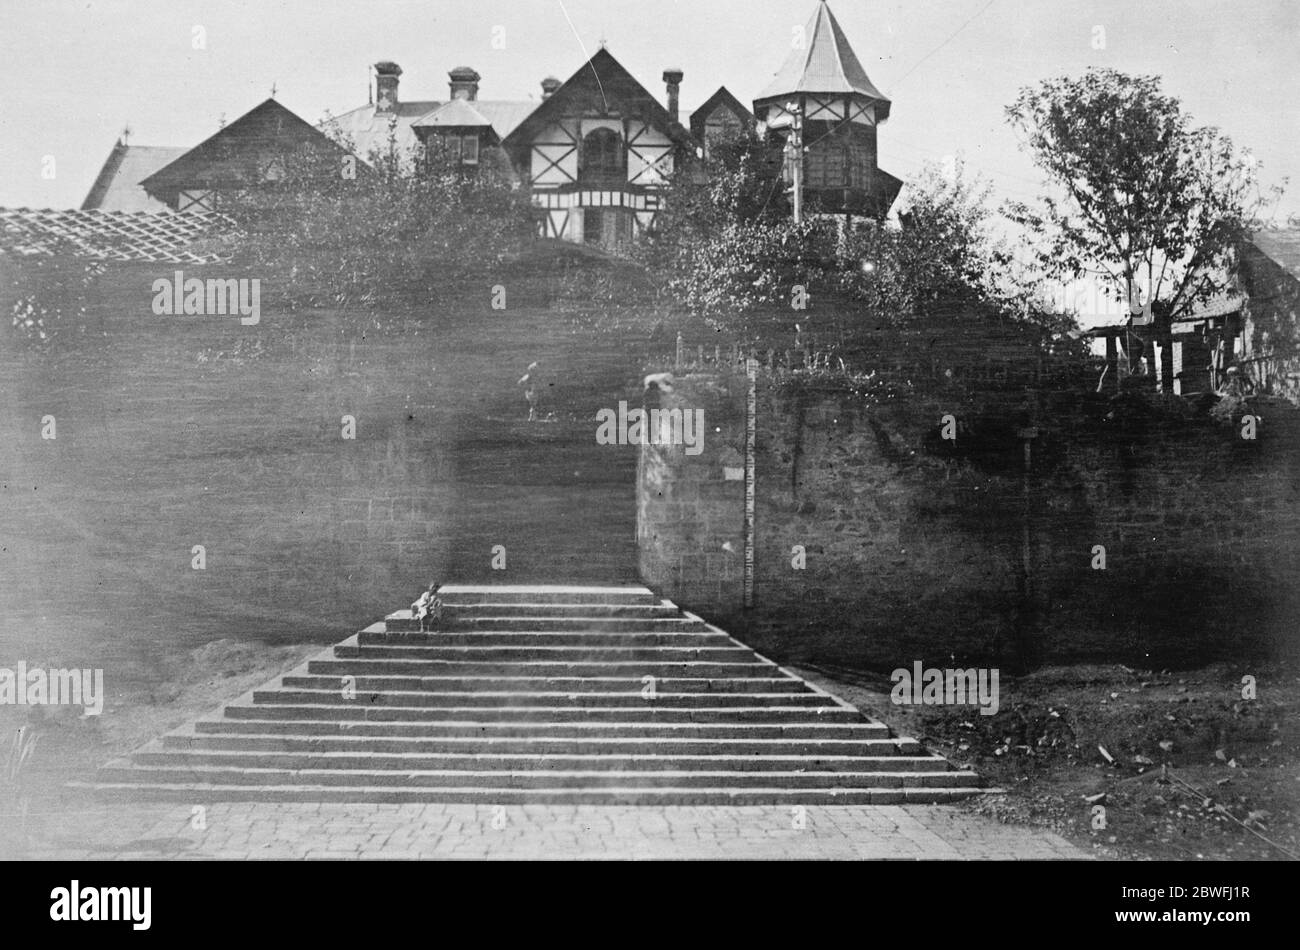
21 686
1093 298
626 426
920 686
213 296
75 902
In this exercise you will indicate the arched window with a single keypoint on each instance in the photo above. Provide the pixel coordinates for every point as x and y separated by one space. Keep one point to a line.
604 161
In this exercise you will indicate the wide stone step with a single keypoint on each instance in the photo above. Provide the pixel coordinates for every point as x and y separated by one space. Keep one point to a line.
578 624
526 714
609 795
309 727
534 745
357 666
461 594
549 684
402 622
600 638
550 700
528 694
619 611
524 762
876 775
553 654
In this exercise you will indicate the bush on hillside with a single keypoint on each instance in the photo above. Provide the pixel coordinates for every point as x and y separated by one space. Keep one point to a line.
725 249
345 233
47 295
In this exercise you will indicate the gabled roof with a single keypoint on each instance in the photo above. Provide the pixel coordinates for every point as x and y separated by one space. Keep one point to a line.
117 186
722 98
600 82
826 64
266 125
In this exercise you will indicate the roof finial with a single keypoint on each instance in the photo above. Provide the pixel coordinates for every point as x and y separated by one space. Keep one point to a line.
273 89
126 134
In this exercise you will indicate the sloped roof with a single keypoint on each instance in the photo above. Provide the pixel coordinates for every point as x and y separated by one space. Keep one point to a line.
599 81
457 113
367 129
506 115
117 186
722 97
502 116
1218 305
1280 246
268 124
168 237
826 64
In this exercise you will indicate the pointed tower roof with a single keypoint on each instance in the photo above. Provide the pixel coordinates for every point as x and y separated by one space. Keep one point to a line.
825 64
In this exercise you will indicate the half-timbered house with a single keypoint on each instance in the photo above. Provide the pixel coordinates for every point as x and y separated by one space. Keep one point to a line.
597 152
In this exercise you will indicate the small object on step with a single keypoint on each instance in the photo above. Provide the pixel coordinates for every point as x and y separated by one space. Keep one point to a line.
428 608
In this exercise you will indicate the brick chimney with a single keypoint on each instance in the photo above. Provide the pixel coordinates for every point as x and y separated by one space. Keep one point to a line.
464 83
673 77
386 74
549 85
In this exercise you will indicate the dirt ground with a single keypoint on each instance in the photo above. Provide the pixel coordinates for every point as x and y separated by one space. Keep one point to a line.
174 686
1181 766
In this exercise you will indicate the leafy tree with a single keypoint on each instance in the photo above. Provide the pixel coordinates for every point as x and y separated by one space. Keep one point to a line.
724 242
1139 195
739 180
943 261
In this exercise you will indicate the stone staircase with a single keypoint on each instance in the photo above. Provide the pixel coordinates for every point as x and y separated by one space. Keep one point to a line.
601 695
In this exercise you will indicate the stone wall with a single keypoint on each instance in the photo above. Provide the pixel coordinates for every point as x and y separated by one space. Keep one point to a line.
912 549
181 431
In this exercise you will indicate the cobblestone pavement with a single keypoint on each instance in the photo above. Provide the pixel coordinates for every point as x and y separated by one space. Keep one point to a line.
240 831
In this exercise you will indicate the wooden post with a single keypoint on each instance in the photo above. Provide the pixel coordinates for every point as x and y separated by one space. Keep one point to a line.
1024 623
1165 325
797 140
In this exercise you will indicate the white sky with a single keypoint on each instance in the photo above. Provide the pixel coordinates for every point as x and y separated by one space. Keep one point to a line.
73 73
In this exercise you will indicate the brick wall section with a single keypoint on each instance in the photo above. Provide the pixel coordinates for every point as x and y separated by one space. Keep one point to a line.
909 557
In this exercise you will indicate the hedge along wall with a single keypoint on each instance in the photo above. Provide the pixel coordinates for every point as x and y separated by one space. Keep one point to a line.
916 547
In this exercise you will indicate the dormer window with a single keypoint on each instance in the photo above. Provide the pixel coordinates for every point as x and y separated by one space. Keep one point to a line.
461 149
